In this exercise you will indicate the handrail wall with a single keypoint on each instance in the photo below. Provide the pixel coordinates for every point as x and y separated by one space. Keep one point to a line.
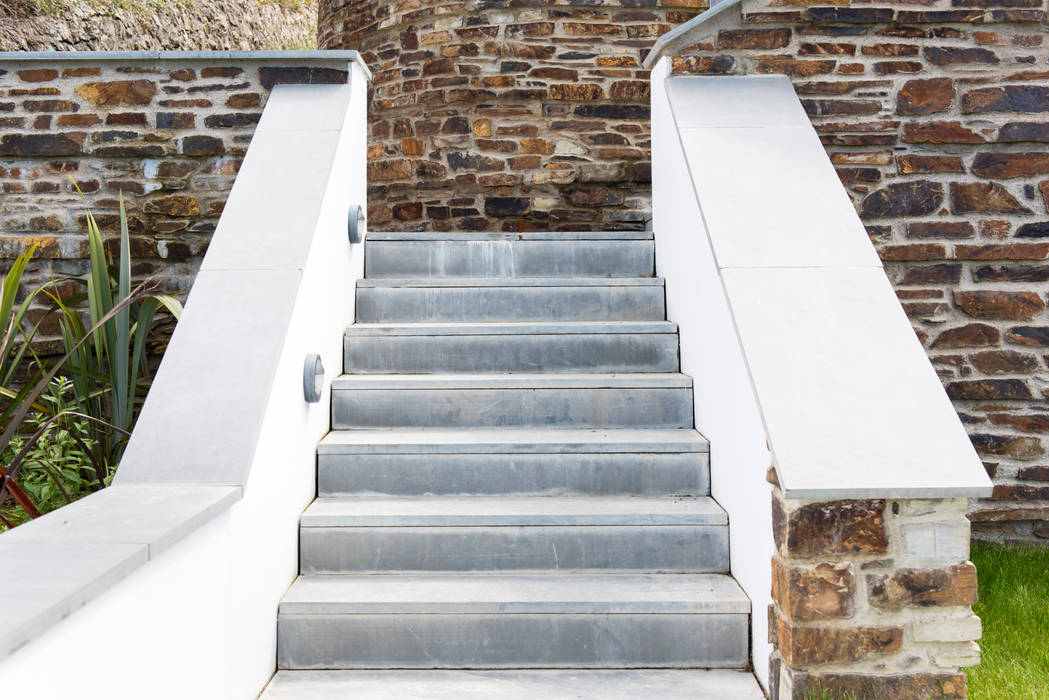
802 357
179 566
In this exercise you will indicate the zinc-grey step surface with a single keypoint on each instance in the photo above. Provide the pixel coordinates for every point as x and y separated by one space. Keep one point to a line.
514 685
510 299
494 461
501 533
486 257
638 400
523 620
511 347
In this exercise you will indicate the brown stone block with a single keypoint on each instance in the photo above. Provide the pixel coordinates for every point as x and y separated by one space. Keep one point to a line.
954 54
507 206
1020 492
126 119
953 585
183 74
1011 98
37 75
1015 132
82 72
754 38
176 120
64 144
913 251
813 592
118 92
831 527
918 198
1037 423
390 170
244 100
808 646
201 146
904 686
1004 362
1004 251
988 389
221 72
1013 446
591 29
1011 273
940 132
1029 335
551 73
525 163
536 146
577 92
894 67
890 50
50 106
408 211
940 273
703 65
918 164
173 205
1009 165
995 304
795 68
1039 473
984 197
826 48
925 96
631 90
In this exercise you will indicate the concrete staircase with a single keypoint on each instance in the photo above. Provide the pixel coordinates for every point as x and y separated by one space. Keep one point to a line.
512 483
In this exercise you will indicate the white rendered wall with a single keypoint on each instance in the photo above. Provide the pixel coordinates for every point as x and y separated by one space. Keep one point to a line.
726 411
199 620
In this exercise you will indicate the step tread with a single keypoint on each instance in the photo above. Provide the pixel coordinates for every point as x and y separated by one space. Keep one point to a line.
512 511
455 282
512 236
515 593
511 441
523 380
514 685
520 328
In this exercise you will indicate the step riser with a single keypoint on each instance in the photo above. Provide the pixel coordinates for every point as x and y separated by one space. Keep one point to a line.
392 259
512 641
503 408
494 304
678 548
484 474
640 352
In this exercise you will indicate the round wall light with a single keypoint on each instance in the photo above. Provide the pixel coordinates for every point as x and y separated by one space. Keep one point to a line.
312 378
355 223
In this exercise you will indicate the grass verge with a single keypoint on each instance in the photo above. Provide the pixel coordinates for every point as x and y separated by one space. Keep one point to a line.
1014 607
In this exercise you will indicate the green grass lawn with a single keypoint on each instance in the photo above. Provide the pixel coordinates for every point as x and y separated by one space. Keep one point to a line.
1014 607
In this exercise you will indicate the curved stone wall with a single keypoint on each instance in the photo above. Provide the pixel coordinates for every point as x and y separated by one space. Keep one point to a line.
503 115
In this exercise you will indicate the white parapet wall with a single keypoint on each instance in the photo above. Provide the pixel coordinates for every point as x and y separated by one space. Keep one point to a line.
802 356
166 585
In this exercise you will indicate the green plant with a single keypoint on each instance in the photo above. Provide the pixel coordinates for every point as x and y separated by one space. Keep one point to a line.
109 372
81 426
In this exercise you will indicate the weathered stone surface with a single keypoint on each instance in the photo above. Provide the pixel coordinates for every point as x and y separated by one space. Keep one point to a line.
985 389
806 646
940 133
118 92
174 205
1007 445
1037 423
984 198
1010 98
832 527
906 686
811 593
953 585
972 335
903 199
1010 165
994 304
50 145
925 96
1004 362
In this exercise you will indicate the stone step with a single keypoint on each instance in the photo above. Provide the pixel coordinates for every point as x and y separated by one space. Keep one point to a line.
480 300
514 461
412 255
536 684
496 533
548 620
512 401
511 347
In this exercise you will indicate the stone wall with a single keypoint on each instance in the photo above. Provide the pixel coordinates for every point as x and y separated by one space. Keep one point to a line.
94 25
936 114
872 599
168 134
504 115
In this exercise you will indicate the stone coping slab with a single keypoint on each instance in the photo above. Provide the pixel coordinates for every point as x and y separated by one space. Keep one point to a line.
124 56
57 563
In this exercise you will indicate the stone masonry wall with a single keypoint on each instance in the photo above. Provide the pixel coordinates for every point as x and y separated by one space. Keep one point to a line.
505 115
872 599
126 25
936 114
169 135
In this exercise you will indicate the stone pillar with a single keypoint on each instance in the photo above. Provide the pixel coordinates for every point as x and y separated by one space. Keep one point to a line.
500 115
872 599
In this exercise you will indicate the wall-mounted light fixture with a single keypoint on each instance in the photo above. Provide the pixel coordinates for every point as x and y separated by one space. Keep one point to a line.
355 223
312 378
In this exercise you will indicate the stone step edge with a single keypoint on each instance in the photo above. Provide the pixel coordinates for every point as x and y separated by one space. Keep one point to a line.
505 328
513 441
511 381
